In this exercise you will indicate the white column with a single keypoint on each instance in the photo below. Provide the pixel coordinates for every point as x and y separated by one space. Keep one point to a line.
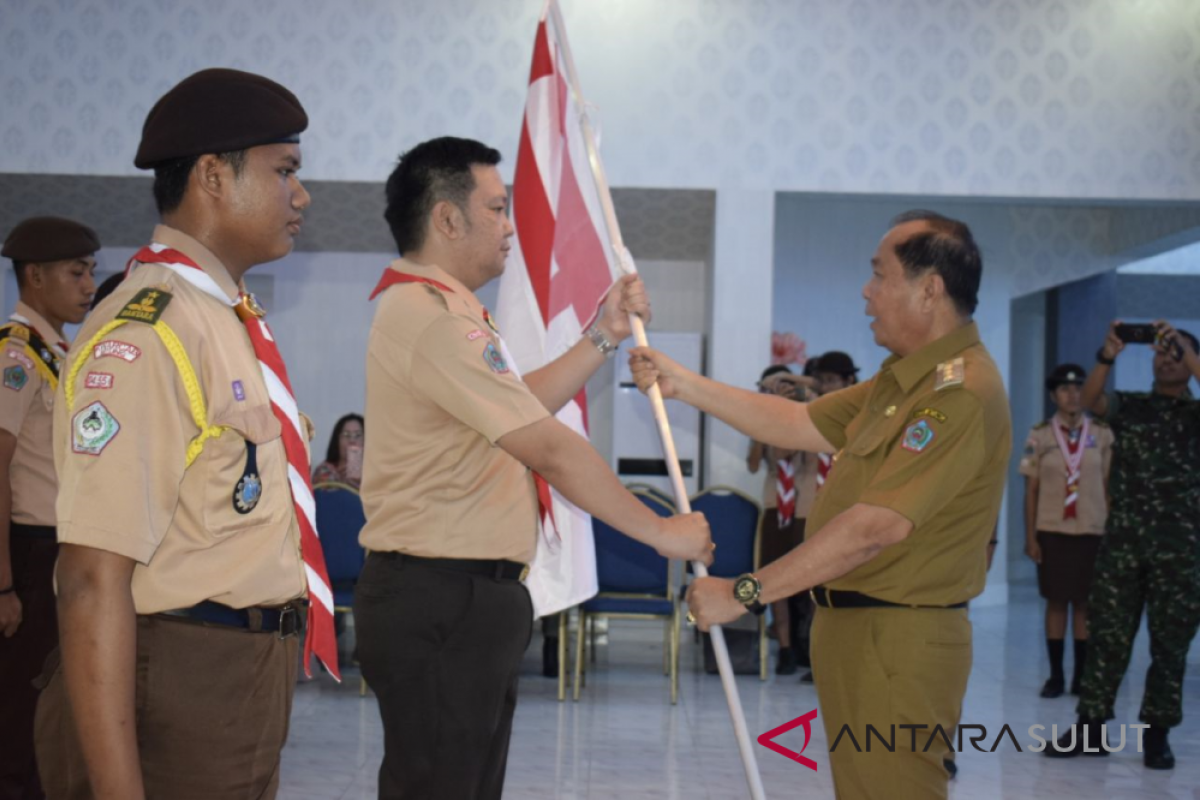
739 341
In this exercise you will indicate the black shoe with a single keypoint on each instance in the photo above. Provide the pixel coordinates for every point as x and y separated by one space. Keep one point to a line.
801 652
1156 753
787 662
951 767
1071 743
806 677
1053 688
550 657
1075 682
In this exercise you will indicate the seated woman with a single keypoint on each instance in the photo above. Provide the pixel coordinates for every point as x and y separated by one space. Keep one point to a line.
344 459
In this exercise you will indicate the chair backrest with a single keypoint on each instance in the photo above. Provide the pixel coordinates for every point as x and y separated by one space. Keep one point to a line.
654 491
733 518
340 518
626 566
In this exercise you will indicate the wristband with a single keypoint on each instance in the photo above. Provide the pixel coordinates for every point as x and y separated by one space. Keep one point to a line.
1101 359
12 588
606 348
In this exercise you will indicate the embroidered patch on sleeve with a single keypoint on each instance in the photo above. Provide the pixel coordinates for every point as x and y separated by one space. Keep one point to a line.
92 428
99 380
239 391
112 348
146 306
917 436
15 378
20 358
932 413
494 360
475 334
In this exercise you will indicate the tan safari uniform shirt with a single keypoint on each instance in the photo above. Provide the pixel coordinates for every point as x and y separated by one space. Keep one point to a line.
26 405
121 444
929 437
805 466
1043 460
440 393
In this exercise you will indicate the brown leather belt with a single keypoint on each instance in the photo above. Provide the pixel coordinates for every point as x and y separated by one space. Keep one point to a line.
834 598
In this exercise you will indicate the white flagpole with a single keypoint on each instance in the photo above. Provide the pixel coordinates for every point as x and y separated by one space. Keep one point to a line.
750 764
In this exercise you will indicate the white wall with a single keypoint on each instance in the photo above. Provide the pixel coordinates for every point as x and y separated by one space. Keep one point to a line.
1004 98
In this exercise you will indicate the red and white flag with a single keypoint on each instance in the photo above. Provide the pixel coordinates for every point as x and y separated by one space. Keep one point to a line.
560 267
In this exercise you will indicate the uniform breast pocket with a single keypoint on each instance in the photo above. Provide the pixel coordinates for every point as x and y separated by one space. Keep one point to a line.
866 443
246 483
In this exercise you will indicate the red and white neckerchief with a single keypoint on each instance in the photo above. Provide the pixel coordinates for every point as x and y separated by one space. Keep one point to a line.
824 464
1073 446
57 346
319 638
785 491
545 498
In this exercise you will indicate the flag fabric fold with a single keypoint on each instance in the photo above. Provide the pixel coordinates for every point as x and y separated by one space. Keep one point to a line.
560 267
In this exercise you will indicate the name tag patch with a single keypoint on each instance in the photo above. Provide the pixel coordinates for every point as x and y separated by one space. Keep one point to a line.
917 436
98 380
20 358
92 428
15 378
932 413
494 360
115 349
475 334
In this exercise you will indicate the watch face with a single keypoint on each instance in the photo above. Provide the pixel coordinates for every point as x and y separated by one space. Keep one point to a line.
745 590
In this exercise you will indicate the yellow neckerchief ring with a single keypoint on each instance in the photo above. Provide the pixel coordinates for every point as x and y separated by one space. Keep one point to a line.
191 384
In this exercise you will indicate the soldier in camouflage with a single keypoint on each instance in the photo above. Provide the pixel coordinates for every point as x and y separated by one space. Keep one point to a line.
1150 555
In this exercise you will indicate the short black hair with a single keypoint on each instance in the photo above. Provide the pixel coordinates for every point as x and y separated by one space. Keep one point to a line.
1190 338
333 454
106 288
949 249
171 177
433 171
774 369
19 269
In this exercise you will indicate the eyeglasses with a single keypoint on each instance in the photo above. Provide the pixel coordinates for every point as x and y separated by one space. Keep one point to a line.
352 436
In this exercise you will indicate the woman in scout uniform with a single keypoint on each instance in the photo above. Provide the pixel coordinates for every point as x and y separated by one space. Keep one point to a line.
184 516
1066 463
53 260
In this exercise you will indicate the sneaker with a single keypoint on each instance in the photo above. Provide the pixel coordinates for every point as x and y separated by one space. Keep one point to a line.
1156 752
1071 743
1053 688
787 662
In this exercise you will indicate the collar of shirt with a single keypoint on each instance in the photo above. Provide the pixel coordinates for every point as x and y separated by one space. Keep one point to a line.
204 258
434 272
39 324
910 369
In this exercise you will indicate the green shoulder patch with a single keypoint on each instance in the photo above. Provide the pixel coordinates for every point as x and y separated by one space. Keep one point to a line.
146 306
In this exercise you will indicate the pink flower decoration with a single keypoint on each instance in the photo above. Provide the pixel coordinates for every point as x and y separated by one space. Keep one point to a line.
787 348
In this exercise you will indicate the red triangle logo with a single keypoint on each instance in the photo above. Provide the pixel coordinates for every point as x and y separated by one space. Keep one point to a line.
766 739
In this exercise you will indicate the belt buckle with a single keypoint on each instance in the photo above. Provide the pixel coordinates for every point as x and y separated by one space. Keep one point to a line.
524 573
289 622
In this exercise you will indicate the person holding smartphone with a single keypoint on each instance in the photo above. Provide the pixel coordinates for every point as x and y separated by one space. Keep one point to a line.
344 458
1150 554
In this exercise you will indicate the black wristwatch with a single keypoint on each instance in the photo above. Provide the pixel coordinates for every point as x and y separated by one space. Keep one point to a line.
747 590
1102 359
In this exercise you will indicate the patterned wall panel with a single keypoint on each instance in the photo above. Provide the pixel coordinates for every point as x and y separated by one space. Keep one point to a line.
1045 98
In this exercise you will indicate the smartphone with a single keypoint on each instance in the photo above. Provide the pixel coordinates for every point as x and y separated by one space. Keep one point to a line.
1137 334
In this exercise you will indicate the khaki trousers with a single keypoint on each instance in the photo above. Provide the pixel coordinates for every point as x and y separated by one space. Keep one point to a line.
212 714
889 667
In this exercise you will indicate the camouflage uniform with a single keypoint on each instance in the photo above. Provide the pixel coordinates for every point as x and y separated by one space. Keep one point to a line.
1150 556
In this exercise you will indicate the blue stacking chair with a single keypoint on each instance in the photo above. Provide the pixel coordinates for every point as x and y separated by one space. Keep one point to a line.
635 583
654 491
340 518
736 523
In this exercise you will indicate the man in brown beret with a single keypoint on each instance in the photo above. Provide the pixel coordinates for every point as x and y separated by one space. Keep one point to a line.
54 261
186 543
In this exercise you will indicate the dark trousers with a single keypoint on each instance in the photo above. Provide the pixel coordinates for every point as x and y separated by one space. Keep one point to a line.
21 660
441 649
212 707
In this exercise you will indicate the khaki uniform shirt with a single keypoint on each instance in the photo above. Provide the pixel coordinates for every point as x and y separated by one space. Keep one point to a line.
1043 460
26 403
439 396
929 437
121 449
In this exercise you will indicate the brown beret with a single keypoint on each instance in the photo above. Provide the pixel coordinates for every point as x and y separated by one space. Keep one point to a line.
219 111
43 239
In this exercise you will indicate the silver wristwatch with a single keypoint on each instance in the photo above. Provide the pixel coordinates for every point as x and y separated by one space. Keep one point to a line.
606 348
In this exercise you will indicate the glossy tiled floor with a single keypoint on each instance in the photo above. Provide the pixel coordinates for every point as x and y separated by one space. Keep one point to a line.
624 740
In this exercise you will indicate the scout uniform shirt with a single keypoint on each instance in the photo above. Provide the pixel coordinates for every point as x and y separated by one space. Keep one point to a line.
929 437
440 393
29 368
124 434
1043 460
805 466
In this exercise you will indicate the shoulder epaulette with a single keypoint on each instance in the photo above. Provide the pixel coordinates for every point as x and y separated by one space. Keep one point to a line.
950 373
